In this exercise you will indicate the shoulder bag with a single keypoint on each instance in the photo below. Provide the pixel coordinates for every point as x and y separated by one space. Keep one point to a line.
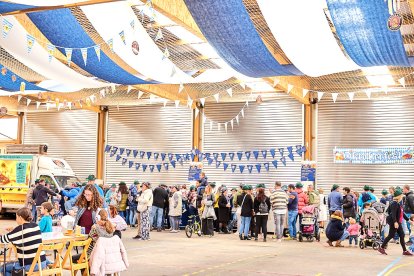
238 211
21 271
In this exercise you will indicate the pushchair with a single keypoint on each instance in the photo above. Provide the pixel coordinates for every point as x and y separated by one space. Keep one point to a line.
308 226
372 223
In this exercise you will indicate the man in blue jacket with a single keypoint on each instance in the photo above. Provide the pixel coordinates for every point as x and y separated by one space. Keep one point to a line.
71 195
335 200
292 211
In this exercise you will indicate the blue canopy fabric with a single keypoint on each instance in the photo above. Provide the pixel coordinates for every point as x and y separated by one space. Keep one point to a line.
363 31
6 7
62 29
229 29
9 81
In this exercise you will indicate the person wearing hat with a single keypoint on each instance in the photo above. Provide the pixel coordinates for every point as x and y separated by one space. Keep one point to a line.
111 195
335 200
145 201
245 201
224 208
303 199
176 209
91 180
366 196
279 200
122 199
132 203
385 198
394 220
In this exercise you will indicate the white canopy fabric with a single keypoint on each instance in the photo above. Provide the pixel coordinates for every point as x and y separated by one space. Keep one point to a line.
47 3
38 60
302 31
150 60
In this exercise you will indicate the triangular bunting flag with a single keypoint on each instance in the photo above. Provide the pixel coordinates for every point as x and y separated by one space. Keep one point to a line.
177 103
108 148
266 165
122 35
233 167
351 96
250 168
118 157
135 153
132 23
140 93
121 151
124 161
243 85
165 102
225 126
218 126
402 81
283 160
144 167
258 167
237 119
225 166
230 92
320 95
180 88
84 52
289 88
334 96
151 168
113 87
37 105
189 101
281 151
275 82
137 165
166 166
218 163
30 41
163 155
149 154
215 155
19 97
368 92
130 164
170 156
156 154
272 152
264 153
248 153
7 26
141 154
97 49
166 54
159 35
102 93
241 167
159 167
210 161
231 155
239 155
202 101
110 43
242 112
291 156
290 149
256 154
223 156
216 96
129 89
68 53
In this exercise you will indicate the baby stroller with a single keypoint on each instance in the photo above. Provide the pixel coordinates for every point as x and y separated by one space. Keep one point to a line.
308 226
371 222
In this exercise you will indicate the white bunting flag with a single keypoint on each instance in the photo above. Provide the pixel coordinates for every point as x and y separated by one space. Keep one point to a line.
216 96
159 35
243 85
58 106
320 95
368 92
132 23
275 82
211 125
98 51
140 93
110 43
247 103
189 102
402 81
122 36
37 105
19 97
30 40
351 96
231 123
84 52
166 53
129 89
289 88
202 101
28 102
47 106
230 92
70 105
165 102
51 51
237 119
68 52
305 92
173 71
334 96
225 126
102 93
242 112
196 112
80 104
181 88
113 87
177 103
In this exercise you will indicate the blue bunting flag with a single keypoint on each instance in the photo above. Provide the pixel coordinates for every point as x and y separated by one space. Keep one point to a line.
215 154
200 157
118 157
225 166
156 154
141 154
233 167
173 163
128 152
266 165
115 149
239 155
256 154
170 156
274 162
149 155
197 151
121 151
124 161
281 151
210 161
151 168
258 167
273 152
291 156
163 155
264 153
250 168
166 166
137 165
290 149
207 155
159 167
144 167
283 160
223 156
108 148
131 163
178 157
135 153
112 154
241 167
248 153
218 163
231 155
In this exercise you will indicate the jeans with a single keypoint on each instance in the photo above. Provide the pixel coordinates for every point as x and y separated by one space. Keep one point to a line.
344 235
353 237
175 222
408 222
279 221
412 243
157 216
16 265
69 203
34 213
132 212
292 217
245 225
122 214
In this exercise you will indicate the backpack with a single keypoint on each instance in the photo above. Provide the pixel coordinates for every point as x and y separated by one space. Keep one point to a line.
365 197
379 207
263 208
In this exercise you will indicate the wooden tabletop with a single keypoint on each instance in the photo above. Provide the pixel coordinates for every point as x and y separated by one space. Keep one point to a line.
56 237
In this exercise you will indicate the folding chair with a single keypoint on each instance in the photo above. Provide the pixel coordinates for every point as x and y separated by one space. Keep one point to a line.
55 268
10 254
82 263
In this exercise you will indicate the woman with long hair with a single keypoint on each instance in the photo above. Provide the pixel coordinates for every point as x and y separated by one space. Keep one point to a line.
144 208
208 216
117 220
122 199
88 204
261 209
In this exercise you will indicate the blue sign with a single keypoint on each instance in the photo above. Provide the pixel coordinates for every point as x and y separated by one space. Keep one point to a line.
308 171
194 171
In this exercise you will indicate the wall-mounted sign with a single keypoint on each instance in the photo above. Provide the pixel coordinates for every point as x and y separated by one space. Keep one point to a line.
308 171
386 155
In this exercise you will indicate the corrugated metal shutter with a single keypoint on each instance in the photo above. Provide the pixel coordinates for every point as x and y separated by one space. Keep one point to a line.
71 135
364 124
272 124
149 128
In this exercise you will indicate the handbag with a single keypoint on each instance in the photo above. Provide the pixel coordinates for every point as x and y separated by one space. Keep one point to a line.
238 211
21 271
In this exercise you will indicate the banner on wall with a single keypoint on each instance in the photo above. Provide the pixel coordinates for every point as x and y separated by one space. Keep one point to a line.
385 155
308 171
194 171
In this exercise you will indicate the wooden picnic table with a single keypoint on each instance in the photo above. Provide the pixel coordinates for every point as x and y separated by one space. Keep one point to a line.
56 237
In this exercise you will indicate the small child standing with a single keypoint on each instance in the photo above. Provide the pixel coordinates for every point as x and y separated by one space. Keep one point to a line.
411 222
45 223
353 230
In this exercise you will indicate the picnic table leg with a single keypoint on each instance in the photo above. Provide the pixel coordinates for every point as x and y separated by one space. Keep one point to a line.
4 264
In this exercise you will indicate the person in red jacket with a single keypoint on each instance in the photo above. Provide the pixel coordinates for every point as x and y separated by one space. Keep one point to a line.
303 199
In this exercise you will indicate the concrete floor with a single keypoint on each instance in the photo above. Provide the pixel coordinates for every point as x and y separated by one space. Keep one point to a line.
175 254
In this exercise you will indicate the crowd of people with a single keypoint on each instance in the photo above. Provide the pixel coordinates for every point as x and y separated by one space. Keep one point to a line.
107 212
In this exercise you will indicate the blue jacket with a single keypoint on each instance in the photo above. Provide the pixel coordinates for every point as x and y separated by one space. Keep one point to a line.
293 202
335 201
132 197
72 193
361 204
335 229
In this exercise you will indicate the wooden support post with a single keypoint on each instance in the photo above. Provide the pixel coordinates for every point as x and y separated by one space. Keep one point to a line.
197 130
20 128
100 154
308 131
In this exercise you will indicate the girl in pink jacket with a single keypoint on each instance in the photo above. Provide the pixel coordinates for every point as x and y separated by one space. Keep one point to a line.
353 230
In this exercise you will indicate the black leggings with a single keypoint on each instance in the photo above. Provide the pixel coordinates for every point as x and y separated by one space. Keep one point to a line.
261 222
207 227
391 235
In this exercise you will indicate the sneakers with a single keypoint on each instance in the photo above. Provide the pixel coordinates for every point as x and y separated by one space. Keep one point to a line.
407 253
248 238
173 231
382 251
137 237
241 237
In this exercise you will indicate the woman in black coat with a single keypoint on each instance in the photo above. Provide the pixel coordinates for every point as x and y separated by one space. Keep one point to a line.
348 204
336 229
224 211
394 220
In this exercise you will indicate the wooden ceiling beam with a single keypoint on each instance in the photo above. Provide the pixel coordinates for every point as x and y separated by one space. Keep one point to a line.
297 90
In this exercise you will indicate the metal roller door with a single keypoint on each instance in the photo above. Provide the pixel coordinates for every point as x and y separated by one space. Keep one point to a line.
71 135
364 124
272 124
149 128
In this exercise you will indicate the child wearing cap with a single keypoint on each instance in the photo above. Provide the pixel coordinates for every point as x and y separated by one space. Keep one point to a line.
385 198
